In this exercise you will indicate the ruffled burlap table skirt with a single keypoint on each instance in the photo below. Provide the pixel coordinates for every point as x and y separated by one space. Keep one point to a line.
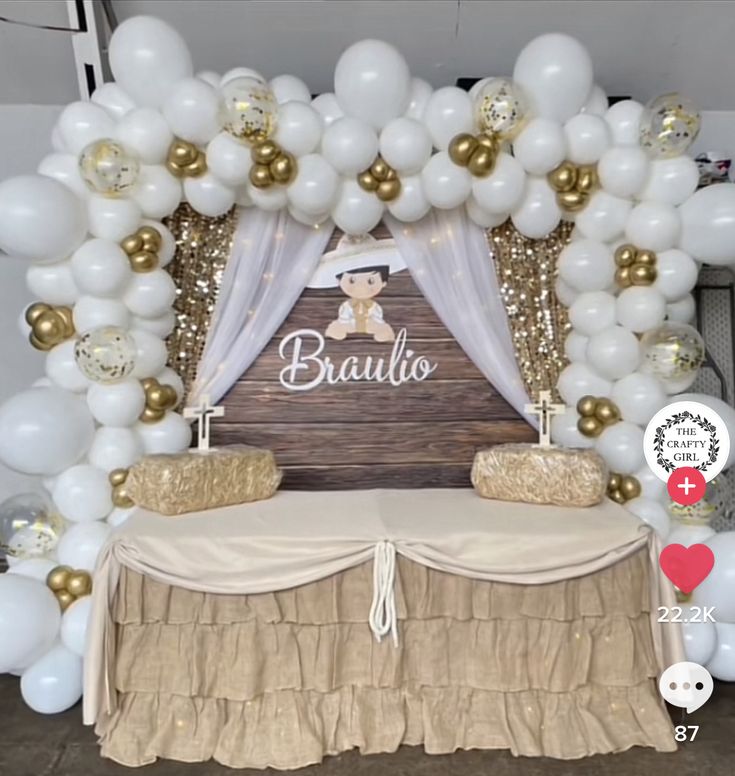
565 669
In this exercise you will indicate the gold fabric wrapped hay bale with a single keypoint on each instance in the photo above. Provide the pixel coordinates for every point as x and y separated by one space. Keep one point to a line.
192 481
540 475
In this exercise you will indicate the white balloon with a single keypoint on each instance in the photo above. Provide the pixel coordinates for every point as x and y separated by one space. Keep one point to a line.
604 218
192 109
81 543
724 410
502 190
638 396
62 369
112 219
54 283
349 145
411 204
624 119
621 445
682 310
405 144
614 352
419 96
229 160
578 380
208 195
653 225
372 82
150 294
161 326
538 214
676 274
555 71
241 72
588 137
151 355
671 180
448 112
597 102
592 312
587 265
446 185
114 448
272 198
113 99
707 224
651 512
100 268
289 88
34 568
168 241
145 132
147 57
575 346
716 589
44 431
299 128
172 434
91 312
687 535
315 188
157 192
565 293
641 308
722 663
651 486
40 219
357 211
210 77
482 217
74 625
541 146
116 404
564 430
65 169
327 107
29 620
306 218
54 682
81 123
623 170
82 493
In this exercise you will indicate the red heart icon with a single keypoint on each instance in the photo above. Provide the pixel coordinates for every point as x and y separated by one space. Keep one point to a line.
686 567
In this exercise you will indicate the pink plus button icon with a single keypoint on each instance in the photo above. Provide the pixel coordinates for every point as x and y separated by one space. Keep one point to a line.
686 485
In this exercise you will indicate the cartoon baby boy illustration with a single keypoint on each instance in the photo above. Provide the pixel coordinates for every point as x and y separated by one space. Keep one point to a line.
361 314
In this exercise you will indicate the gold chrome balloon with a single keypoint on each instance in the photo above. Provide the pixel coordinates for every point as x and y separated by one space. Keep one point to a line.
642 274
151 238
630 487
625 255
158 399
614 481
260 176
79 583
108 168
564 177
283 168
586 406
117 476
143 261
132 243
589 427
482 161
65 599
388 190
142 248
645 257
622 277
185 160
606 411
121 498
571 201
461 147
379 169
586 178
50 325
58 577
265 152
367 182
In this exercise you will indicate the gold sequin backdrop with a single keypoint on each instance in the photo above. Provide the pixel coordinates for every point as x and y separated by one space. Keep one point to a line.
526 273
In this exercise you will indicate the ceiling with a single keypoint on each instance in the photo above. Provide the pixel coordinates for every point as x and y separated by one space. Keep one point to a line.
640 47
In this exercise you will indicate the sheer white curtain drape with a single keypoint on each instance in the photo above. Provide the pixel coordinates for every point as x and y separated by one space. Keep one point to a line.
449 258
273 258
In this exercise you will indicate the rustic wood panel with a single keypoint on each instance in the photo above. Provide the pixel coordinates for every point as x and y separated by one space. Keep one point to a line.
404 476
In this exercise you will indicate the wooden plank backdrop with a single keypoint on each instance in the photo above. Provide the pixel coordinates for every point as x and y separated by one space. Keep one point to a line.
365 434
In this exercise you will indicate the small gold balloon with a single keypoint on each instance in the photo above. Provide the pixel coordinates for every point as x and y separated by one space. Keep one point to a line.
65 599
571 201
143 261
35 311
481 162
589 427
564 177
586 179
646 257
265 152
57 578
150 415
642 274
630 488
117 476
175 169
150 237
625 255
48 327
132 243
379 169
120 497
586 406
260 176
148 383
388 190
79 583
622 277
461 147
161 397
367 182
283 168
197 168
606 411
617 497
614 481
182 153
490 142
392 175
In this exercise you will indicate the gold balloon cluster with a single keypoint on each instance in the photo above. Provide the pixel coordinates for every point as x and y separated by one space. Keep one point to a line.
50 325
622 487
271 165
142 248
158 399
634 267
381 178
120 497
68 584
573 184
475 152
596 414
185 160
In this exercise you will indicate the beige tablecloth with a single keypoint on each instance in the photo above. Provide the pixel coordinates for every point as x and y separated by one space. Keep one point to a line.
297 538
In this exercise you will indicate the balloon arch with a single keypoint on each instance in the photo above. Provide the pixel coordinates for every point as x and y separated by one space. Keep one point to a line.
538 148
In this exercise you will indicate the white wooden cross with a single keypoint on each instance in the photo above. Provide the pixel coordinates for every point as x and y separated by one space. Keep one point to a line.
544 409
203 413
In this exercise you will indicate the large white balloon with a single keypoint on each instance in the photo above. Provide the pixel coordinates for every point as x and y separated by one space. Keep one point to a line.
81 123
622 170
91 312
65 169
587 138
229 160
40 219
29 620
146 132
641 308
74 625
621 445
446 184
192 110
44 431
604 217
316 186
157 192
114 448
112 219
587 265
405 144
724 410
555 71
708 224
62 368
411 204
653 225
577 380
614 352
624 119
82 493
357 211
372 82
54 682
448 112
638 396
676 274
100 268
170 435
671 180
541 146
349 145
592 312
299 128
116 404
722 663
538 213
54 283
147 57
502 190
81 544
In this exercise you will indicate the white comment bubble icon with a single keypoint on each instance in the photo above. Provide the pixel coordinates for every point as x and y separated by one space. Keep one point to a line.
687 685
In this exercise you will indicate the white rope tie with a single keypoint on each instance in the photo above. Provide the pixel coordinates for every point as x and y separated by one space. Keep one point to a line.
383 610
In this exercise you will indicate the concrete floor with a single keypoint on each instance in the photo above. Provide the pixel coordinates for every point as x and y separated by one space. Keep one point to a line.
35 745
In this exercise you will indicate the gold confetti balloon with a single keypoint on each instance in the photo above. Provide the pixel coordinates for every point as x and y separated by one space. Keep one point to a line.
717 499
106 354
248 109
29 526
108 168
669 125
672 351
500 108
